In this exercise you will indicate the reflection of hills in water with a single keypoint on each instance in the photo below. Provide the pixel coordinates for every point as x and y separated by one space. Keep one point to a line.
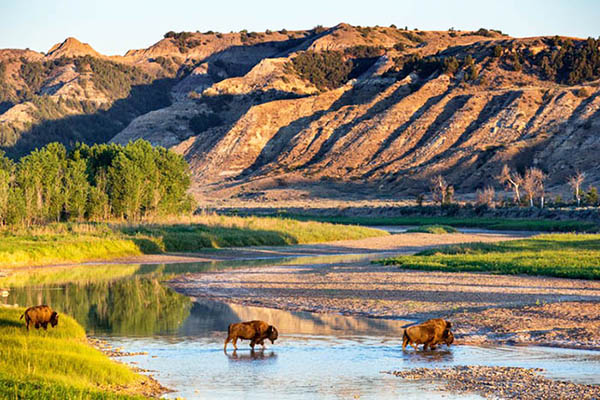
136 306
209 316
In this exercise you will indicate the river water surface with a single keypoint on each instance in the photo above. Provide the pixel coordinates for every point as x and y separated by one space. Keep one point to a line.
316 356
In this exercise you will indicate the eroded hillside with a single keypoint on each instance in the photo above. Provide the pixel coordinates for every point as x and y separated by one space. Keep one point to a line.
362 110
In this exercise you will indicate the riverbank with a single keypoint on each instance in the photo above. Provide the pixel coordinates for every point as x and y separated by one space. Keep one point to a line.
485 308
61 363
77 243
501 382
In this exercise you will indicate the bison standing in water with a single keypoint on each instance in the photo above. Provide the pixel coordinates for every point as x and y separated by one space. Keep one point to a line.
255 331
430 333
40 316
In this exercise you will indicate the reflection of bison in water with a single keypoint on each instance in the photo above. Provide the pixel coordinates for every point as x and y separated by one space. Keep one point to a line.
430 333
40 316
255 331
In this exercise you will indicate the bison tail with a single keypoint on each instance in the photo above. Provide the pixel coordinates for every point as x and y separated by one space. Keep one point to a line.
22 315
229 328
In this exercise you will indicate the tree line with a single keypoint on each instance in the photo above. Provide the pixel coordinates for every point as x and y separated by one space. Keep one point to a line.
99 182
528 188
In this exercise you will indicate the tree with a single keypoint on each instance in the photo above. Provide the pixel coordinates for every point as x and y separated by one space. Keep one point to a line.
533 184
591 196
485 197
439 189
125 180
6 177
575 182
77 188
513 181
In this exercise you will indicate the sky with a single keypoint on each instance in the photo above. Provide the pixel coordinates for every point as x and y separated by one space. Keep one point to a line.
115 26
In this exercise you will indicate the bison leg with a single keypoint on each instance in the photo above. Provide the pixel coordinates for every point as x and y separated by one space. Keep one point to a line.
37 326
45 326
226 341
253 343
235 343
404 341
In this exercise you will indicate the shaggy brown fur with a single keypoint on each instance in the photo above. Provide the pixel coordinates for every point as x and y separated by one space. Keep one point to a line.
255 331
40 316
430 333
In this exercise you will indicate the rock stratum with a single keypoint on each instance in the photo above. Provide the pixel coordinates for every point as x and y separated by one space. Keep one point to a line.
347 109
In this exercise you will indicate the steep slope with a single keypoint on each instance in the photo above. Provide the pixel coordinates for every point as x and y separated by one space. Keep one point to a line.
359 110
427 103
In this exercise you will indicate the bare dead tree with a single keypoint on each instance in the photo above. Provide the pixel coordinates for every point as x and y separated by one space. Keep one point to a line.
486 196
513 181
575 182
533 184
439 189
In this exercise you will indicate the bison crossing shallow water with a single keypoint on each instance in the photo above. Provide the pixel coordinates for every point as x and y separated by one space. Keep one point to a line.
255 331
430 333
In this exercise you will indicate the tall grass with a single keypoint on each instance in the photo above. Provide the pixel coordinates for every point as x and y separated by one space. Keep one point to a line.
60 243
434 229
505 224
57 363
559 255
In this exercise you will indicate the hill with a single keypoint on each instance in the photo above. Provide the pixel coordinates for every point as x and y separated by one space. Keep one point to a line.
347 110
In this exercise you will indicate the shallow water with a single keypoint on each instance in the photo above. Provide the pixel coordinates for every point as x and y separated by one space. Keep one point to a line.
317 355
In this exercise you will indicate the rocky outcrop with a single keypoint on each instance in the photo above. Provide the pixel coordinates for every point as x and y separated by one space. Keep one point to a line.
248 122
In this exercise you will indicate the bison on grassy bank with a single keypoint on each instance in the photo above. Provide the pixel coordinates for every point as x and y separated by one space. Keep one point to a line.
40 316
430 333
255 331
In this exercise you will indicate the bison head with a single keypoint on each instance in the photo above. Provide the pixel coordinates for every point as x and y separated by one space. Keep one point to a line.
449 339
54 319
272 333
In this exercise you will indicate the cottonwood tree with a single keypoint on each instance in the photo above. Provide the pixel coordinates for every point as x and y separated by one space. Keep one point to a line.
513 181
6 172
575 182
439 189
533 184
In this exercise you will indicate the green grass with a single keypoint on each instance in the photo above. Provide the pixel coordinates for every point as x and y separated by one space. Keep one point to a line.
57 363
559 255
434 229
60 243
506 224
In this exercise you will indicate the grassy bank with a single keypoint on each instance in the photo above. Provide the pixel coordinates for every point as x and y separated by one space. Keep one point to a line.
559 255
506 224
60 243
433 229
57 364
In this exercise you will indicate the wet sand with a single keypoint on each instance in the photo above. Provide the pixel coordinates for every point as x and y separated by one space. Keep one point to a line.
406 242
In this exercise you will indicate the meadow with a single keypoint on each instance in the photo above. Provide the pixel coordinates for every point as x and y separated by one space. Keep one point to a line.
558 255
58 364
501 224
79 242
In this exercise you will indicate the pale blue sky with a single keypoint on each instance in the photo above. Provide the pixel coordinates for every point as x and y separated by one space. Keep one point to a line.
114 26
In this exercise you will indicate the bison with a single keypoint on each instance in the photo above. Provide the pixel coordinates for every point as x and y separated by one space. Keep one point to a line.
255 331
430 333
40 316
